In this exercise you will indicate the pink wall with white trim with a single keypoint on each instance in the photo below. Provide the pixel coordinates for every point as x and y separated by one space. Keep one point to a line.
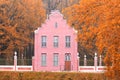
48 29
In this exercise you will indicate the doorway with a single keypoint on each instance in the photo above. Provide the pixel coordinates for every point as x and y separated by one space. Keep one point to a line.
67 62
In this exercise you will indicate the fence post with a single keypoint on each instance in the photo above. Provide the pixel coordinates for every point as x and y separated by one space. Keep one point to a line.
100 61
85 60
78 61
95 61
15 60
33 62
60 67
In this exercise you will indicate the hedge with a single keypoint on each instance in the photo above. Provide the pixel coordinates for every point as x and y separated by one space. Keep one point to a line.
51 76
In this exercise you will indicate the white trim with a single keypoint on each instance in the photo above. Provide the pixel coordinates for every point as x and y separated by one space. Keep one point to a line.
92 69
24 68
7 68
12 68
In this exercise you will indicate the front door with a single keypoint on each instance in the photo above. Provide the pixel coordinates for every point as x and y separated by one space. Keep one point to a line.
67 62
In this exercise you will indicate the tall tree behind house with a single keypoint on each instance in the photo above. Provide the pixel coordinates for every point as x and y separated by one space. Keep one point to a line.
48 5
58 4
18 20
24 17
98 29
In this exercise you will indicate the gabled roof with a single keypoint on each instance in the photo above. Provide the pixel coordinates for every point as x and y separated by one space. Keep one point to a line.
54 15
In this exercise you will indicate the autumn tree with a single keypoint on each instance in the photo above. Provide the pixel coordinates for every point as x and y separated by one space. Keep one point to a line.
57 4
98 26
18 20
108 38
86 20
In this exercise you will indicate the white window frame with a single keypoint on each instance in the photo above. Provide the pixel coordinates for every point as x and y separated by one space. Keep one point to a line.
43 59
55 59
68 41
43 41
67 57
56 41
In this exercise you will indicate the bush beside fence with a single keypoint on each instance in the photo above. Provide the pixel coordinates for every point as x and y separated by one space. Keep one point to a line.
51 76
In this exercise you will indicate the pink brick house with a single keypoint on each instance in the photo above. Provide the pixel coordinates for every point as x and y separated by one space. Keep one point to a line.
55 45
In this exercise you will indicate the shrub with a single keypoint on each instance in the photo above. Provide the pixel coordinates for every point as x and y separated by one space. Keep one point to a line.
51 76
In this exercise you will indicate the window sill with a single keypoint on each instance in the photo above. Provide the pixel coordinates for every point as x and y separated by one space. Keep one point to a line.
67 47
55 66
43 47
55 47
43 66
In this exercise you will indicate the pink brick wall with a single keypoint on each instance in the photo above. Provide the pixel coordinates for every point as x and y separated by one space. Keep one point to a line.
48 29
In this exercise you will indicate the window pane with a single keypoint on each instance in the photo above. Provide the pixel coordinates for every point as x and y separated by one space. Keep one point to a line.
67 57
43 59
55 59
43 39
67 41
55 41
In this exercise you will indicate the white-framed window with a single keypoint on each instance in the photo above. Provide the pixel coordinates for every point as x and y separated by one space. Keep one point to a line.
55 59
55 42
67 41
43 59
43 41
67 57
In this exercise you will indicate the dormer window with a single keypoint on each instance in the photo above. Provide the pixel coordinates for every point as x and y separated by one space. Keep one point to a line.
56 24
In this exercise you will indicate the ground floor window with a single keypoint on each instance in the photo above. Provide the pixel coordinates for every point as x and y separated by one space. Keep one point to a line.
43 59
55 59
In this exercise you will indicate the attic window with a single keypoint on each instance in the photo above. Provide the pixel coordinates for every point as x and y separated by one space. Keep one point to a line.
56 24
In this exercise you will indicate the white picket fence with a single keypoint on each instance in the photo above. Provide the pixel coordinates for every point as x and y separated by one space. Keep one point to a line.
92 69
83 68
89 69
15 68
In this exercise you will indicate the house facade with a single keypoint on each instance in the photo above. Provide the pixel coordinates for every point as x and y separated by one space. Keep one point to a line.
55 45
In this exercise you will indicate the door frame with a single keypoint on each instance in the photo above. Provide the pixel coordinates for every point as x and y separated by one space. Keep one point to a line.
67 62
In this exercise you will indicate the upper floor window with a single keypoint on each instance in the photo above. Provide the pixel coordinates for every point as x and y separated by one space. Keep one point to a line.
43 59
55 43
67 41
55 59
44 41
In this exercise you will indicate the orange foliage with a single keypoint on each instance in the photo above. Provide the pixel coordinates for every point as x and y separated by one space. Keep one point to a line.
86 20
50 76
18 19
98 25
